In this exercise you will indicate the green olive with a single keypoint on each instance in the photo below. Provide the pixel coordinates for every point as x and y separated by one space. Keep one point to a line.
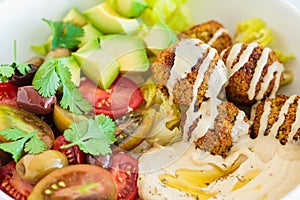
11 117
34 167
286 77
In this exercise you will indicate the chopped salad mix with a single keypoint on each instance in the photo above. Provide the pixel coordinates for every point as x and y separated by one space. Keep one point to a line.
89 98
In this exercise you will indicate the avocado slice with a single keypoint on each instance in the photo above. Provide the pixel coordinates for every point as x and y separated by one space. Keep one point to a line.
129 50
159 37
90 32
90 45
128 8
75 16
99 66
104 18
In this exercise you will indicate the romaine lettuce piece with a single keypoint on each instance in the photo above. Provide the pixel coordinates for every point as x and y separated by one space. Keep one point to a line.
164 11
253 30
165 127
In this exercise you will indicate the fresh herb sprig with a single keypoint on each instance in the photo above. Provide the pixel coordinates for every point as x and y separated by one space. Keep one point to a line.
65 34
7 70
53 74
93 136
21 141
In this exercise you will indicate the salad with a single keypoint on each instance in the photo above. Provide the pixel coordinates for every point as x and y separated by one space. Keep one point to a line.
104 110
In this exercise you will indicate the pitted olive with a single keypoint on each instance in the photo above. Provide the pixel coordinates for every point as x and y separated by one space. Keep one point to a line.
34 167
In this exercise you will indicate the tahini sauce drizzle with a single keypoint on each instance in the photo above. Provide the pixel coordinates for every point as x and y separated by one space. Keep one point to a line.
275 67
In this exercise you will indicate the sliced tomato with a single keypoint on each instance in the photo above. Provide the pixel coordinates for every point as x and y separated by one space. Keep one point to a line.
125 173
8 94
123 96
74 154
12 184
82 181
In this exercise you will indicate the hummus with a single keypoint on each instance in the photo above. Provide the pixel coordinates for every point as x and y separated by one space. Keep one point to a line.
269 170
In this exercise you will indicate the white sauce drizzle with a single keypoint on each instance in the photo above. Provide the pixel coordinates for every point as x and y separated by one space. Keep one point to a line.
234 52
261 63
216 35
191 115
296 124
240 126
264 118
242 60
281 117
187 54
275 67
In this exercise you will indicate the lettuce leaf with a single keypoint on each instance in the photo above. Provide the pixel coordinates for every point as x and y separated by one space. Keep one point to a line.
253 30
165 128
166 11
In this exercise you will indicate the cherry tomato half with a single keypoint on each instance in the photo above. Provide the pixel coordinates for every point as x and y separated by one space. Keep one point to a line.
12 184
8 94
82 181
123 96
74 154
125 173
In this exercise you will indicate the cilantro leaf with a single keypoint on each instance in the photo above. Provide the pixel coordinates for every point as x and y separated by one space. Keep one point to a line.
65 34
93 136
35 145
23 68
13 134
46 80
15 148
72 99
21 139
7 71
52 74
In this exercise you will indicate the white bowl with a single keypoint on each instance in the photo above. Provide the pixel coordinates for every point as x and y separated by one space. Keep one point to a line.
21 20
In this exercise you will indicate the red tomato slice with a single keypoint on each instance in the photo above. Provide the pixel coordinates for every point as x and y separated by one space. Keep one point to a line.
81 181
12 184
123 96
74 154
125 173
8 94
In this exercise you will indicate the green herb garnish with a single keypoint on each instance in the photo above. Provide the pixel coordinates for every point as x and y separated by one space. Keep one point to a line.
21 140
93 136
53 74
7 70
65 34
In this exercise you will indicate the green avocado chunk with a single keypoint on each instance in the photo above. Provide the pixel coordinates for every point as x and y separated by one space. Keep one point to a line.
128 50
98 65
107 20
128 8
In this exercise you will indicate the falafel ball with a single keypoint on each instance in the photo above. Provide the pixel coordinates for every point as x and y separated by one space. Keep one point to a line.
227 125
277 117
254 73
189 72
212 33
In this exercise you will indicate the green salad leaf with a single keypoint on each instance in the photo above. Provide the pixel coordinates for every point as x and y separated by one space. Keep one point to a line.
93 136
165 126
253 30
173 12
21 141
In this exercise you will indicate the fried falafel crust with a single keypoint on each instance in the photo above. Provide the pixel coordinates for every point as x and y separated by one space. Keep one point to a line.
254 73
219 139
182 90
277 117
212 33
